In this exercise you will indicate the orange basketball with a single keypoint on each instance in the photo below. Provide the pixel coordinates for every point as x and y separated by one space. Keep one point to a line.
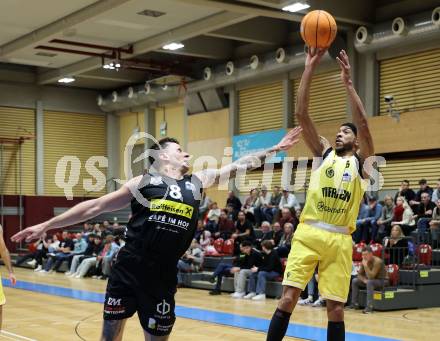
318 29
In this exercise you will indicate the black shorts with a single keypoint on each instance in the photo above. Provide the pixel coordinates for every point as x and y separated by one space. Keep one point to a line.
142 287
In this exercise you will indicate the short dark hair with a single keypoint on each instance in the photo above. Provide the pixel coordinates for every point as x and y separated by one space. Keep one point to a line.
406 181
245 243
423 182
351 126
267 244
367 249
162 143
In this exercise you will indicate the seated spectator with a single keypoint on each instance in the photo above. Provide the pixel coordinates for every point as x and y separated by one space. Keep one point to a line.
97 229
243 231
53 244
405 192
205 240
396 246
436 193
372 275
267 234
424 188
31 257
205 201
64 251
272 208
250 206
234 203
277 233
284 246
311 286
226 226
241 269
367 227
288 200
262 213
199 230
434 224
87 228
424 212
213 217
192 260
362 214
269 269
287 217
407 223
384 222
93 248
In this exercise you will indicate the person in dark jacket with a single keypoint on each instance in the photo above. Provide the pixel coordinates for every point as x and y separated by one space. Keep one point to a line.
269 269
396 246
234 202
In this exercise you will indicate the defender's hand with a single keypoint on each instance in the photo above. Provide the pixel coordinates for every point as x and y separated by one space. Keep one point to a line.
30 233
291 138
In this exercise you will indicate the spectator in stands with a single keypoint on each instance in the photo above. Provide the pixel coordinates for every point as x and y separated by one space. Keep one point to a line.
386 217
80 246
226 226
436 193
267 234
243 231
277 233
274 203
424 212
262 206
205 240
288 200
105 229
65 249
269 269
250 206
93 248
235 203
192 260
407 223
97 229
424 188
396 246
205 201
87 229
213 217
31 257
434 224
199 230
287 217
284 246
311 286
231 213
363 214
372 275
367 226
405 192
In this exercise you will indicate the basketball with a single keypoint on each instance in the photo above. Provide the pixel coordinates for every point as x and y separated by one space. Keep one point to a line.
318 29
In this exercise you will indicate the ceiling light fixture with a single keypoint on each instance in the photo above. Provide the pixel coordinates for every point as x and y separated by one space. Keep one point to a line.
296 7
173 46
66 80
112 66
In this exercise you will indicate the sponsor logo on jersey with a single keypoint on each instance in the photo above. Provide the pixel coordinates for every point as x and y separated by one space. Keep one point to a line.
190 186
330 192
330 172
156 180
151 323
163 308
346 177
324 208
168 206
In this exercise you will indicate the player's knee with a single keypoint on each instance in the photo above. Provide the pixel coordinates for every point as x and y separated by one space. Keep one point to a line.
288 299
335 311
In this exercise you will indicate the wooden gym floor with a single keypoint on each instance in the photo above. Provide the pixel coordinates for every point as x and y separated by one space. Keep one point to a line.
39 311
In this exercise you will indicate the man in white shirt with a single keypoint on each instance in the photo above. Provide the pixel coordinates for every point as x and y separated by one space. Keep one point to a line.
288 200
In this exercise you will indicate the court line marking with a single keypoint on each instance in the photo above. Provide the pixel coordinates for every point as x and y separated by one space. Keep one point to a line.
228 319
20 337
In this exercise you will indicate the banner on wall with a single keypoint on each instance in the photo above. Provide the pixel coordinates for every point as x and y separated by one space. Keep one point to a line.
255 142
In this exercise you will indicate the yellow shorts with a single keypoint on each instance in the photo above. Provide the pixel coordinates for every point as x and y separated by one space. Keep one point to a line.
2 294
330 251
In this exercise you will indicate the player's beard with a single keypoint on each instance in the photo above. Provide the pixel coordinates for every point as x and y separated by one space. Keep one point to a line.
344 149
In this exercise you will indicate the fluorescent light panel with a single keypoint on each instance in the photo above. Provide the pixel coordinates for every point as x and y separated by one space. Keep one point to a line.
66 80
173 46
296 7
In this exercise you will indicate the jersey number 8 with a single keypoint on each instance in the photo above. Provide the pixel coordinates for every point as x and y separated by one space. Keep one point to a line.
175 192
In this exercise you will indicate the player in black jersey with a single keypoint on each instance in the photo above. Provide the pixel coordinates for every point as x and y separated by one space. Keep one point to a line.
164 204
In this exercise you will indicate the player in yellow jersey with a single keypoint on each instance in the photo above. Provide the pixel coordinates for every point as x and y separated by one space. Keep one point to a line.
323 237
7 260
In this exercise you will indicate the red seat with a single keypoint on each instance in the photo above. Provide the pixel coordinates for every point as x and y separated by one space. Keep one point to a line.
377 249
357 251
424 252
228 247
218 245
393 274
357 265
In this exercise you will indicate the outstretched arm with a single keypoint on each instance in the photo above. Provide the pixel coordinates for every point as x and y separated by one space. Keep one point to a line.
251 161
366 147
4 252
311 136
82 211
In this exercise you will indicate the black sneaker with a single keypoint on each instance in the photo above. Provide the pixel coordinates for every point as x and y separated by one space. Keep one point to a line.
367 311
215 292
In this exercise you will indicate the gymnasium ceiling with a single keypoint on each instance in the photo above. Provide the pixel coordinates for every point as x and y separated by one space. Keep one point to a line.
212 31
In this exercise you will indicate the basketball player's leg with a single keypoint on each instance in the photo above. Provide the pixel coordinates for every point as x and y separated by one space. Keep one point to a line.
336 325
1 317
112 330
149 337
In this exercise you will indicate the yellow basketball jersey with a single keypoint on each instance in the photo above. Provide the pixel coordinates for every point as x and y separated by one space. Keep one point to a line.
335 192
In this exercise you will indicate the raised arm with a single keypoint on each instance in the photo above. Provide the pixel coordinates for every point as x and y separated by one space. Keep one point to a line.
82 212
251 161
311 136
366 147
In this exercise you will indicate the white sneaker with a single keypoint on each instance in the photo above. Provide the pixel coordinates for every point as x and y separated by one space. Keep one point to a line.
32 262
318 303
306 301
260 297
238 295
250 295
68 273
38 268
78 276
